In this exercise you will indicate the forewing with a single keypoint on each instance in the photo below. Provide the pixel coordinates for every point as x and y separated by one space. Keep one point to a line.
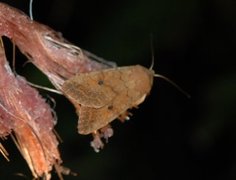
92 119
105 95
89 90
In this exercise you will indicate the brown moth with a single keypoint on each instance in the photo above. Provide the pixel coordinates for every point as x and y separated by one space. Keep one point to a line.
104 95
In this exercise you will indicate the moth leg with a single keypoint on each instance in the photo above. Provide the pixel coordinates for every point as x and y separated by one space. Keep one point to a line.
106 132
96 143
124 116
61 170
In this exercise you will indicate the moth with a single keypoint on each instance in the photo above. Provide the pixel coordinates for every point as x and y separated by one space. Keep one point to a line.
104 95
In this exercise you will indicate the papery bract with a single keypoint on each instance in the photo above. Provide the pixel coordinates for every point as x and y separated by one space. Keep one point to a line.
29 117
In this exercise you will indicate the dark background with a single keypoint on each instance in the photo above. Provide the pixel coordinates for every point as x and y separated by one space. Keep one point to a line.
169 136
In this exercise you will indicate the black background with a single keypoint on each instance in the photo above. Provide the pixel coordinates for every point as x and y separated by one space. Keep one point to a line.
169 136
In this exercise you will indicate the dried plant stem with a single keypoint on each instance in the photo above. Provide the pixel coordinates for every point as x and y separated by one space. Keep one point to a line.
47 49
24 113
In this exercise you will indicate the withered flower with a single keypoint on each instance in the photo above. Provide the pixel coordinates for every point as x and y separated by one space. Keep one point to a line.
26 115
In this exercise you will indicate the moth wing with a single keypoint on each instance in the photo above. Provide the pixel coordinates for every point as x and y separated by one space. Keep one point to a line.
92 119
105 95
89 90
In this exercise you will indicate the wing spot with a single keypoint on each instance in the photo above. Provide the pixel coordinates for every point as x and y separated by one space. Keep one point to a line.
110 107
100 82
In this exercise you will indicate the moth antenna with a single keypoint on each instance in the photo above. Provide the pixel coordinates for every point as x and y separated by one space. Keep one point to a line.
161 76
31 9
173 83
152 52
45 88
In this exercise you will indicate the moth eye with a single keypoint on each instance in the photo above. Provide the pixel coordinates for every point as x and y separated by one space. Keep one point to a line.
110 107
100 82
